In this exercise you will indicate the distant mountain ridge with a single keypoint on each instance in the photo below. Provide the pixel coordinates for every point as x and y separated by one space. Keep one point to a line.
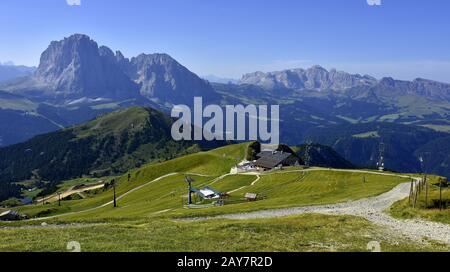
9 71
78 80
217 79
319 79
314 78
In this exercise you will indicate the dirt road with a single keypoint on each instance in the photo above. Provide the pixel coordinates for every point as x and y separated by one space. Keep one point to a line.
372 209
69 192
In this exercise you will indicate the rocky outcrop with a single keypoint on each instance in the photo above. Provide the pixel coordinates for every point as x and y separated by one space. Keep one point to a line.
163 79
315 78
76 67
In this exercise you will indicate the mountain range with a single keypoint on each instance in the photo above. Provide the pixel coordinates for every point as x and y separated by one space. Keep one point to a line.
9 71
315 78
113 144
217 79
78 80
77 68
319 79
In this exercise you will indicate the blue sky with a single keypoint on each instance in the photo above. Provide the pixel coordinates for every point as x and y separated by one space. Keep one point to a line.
400 38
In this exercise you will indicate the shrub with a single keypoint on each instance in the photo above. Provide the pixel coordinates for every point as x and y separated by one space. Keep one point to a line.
11 202
252 150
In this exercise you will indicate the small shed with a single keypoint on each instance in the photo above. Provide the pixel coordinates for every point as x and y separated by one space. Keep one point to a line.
26 201
251 196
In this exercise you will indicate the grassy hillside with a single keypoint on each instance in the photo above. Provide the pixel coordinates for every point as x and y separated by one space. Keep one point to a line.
156 195
110 144
166 196
211 163
429 209
300 233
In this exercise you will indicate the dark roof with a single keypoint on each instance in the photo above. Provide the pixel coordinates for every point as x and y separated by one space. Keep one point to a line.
265 153
26 200
274 154
269 159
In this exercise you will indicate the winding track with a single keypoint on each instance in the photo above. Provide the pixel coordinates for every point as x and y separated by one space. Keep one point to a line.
106 204
372 209
118 198
258 177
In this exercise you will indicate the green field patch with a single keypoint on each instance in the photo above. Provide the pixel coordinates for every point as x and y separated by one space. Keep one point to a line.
212 163
234 182
295 189
370 134
425 208
439 128
309 232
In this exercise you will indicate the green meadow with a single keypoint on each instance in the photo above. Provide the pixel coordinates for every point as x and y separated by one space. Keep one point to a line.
426 207
300 233
152 208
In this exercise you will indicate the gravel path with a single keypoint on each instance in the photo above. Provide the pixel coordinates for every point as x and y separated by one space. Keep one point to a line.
372 209
243 187
55 197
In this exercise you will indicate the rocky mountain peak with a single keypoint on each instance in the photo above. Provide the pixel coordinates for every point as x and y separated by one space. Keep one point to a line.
77 67
60 55
163 79
314 78
120 57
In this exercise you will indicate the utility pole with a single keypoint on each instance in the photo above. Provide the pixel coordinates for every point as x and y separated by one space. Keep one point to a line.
411 191
308 153
115 201
440 195
416 195
189 180
114 188
381 151
426 192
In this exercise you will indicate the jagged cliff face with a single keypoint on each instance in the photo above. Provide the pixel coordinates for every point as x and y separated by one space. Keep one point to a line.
314 78
76 67
418 87
319 79
163 79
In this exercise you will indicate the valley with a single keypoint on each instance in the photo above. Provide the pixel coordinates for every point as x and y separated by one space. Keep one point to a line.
87 154
312 101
